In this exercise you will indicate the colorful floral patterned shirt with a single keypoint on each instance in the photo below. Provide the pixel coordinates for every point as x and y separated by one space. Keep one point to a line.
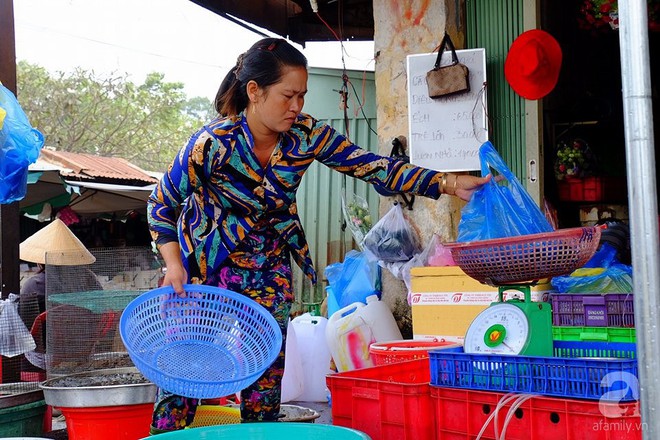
223 191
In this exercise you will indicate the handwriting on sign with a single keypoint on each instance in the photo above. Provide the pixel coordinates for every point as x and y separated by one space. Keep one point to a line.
445 133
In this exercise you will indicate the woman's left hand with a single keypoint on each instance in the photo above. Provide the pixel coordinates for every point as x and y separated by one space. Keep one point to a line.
466 185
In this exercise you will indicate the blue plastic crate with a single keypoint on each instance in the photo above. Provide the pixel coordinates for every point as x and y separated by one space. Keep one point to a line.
582 370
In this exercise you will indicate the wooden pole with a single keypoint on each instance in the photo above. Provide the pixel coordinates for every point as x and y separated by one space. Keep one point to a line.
9 214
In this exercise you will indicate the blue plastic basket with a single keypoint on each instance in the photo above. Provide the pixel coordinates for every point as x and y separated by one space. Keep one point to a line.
583 370
210 343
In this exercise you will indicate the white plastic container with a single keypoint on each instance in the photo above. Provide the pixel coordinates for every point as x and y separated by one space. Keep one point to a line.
292 379
315 356
351 330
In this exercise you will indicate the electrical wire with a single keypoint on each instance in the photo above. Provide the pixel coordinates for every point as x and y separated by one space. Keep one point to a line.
344 91
361 108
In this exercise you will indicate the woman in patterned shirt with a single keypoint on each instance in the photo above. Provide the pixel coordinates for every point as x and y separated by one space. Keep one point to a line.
235 184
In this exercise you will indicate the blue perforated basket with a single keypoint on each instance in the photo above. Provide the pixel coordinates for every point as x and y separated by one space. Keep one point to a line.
211 343
582 370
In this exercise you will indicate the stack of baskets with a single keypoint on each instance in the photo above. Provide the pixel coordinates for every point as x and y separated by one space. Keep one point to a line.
585 387
589 386
593 317
585 390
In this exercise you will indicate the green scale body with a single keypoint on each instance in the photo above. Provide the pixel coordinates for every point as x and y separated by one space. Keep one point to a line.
516 326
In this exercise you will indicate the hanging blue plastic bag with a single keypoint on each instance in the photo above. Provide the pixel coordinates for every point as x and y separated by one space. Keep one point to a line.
20 145
500 208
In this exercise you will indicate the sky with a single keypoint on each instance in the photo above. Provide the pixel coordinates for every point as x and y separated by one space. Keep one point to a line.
178 38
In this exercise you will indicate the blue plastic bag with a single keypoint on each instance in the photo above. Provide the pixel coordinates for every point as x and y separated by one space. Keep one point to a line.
352 281
20 145
500 208
603 273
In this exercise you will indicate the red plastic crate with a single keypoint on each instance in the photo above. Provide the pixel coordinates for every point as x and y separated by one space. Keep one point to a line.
390 352
592 189
593 310
539 418
588 189
386 402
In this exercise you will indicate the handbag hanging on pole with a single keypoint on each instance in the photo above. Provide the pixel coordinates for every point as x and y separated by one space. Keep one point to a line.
450 79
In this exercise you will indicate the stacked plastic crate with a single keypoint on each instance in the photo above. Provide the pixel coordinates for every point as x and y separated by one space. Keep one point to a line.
392 400
593 317
587 390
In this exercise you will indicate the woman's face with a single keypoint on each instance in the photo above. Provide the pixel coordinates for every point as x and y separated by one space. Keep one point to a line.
278 106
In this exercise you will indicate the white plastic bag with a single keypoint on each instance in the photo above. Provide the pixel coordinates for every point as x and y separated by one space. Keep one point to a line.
15 338
292 380
392 239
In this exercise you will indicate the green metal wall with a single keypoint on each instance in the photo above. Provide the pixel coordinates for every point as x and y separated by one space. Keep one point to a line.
319 196
493 25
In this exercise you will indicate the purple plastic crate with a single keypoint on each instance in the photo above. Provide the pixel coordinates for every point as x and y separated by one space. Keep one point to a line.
593 310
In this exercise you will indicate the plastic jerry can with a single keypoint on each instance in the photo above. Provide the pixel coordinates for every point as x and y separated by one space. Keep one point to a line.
351 330
314 355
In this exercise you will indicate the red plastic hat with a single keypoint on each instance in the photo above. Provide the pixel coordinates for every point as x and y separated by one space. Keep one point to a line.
533 63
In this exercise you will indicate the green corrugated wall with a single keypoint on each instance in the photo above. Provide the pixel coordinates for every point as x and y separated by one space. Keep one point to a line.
319 196
493 25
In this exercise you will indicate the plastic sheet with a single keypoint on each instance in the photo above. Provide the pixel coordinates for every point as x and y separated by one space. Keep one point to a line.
603 273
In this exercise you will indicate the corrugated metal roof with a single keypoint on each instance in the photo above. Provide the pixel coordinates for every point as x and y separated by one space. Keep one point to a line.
89 167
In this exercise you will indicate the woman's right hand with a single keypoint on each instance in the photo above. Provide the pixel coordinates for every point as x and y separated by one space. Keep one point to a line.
175 275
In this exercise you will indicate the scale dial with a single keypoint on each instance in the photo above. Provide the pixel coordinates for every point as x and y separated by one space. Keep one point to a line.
500 329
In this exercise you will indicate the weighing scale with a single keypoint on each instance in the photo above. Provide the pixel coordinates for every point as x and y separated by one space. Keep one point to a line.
516 326
520 326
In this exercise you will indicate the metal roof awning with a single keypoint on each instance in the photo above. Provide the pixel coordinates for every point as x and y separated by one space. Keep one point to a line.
85 186
297 21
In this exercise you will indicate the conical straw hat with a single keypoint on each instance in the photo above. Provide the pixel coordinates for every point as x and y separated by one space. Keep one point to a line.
55 244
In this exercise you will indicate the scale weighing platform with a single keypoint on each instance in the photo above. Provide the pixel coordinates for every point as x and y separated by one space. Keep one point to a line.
520 326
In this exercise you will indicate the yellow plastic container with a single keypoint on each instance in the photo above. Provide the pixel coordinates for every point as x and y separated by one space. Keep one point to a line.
211 415
445 301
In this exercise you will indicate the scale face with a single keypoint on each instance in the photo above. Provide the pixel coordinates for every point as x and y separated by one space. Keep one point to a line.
501 328
513 327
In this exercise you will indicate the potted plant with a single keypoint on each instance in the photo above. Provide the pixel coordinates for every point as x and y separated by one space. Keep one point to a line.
574 160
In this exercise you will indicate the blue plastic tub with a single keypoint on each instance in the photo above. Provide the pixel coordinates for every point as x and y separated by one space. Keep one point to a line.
582 370
266 431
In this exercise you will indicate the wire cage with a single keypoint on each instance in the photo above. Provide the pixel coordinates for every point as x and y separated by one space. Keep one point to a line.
78 331
20 379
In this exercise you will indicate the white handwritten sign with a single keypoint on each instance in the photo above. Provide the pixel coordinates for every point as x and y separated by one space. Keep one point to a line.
445 133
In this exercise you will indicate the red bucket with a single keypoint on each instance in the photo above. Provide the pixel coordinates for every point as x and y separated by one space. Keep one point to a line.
390 352
121 422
